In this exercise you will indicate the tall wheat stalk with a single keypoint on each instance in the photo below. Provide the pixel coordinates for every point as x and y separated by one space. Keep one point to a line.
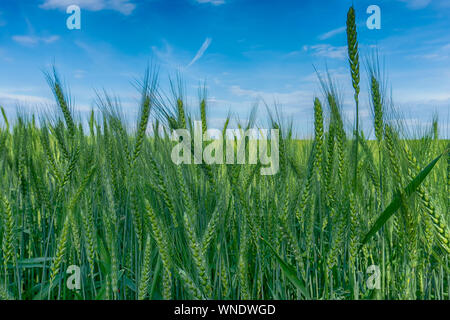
353 58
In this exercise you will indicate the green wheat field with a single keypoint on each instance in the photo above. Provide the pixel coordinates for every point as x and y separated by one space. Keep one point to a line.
346 217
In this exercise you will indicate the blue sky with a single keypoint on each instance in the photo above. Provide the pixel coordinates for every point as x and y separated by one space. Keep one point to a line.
247 51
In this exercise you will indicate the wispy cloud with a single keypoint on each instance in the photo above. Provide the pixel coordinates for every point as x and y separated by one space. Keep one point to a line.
332 33
326 51
337 74
125 7
166 56
416 4
439 54
2 21
4 56
31 41
200 52
289 100
10 98
79 74
213 2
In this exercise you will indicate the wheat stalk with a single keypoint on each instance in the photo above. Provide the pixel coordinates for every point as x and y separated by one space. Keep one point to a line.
353 58
146 271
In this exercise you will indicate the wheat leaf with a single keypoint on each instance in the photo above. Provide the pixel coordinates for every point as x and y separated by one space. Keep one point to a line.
395 204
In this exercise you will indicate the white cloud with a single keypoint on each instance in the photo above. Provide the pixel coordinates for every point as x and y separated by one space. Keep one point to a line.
26 40
32 41
287 99
125 7
200 52
337 75
327 51
9 98
332 33
50 39
79 74
416 4
213 2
